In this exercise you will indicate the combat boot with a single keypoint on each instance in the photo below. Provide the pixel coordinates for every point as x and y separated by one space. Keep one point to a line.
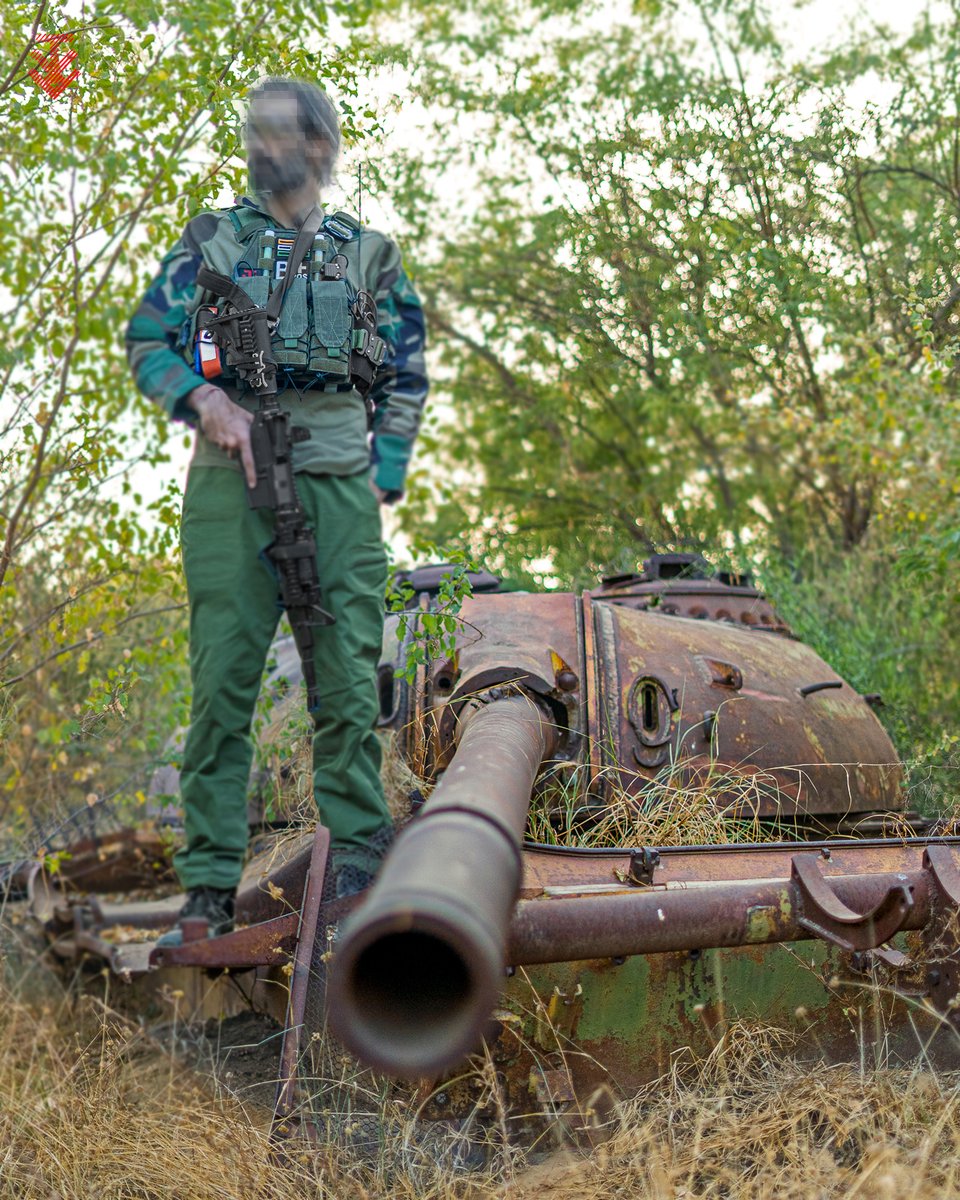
350 871
214 905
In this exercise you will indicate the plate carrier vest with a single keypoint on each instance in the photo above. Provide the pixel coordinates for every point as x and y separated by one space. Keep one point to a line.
324 337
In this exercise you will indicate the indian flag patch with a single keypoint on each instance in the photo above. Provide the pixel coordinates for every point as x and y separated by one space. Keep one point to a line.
284 250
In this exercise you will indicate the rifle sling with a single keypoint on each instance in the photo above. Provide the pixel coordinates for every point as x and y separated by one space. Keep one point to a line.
224 287
308 231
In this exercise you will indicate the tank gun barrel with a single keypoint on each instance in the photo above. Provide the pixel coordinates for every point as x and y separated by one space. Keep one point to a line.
420 964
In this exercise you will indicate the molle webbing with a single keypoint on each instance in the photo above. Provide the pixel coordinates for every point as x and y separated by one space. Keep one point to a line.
319 334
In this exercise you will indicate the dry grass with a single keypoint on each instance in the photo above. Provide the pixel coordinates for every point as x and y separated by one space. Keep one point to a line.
680 806
754 1124
93 1108
88 1107
676 808
286 758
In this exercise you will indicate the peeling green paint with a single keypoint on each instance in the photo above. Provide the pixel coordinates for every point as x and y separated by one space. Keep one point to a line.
637 1014
761 923
814 741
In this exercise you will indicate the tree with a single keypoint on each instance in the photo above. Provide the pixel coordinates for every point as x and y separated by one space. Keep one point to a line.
702 296
97 183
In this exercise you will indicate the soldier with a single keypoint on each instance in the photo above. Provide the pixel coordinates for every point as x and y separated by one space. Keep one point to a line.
343 474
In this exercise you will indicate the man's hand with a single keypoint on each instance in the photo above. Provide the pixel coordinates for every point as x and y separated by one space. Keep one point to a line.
226 424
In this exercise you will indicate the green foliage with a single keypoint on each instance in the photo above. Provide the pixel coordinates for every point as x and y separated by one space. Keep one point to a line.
430 634
701 295
685 292
97 184
681 291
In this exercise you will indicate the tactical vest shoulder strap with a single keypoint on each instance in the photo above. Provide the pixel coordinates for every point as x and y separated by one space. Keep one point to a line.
340 225
244 218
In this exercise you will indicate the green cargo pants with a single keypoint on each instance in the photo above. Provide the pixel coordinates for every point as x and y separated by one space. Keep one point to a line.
234 610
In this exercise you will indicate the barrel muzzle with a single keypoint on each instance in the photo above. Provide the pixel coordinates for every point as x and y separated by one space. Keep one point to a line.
419 965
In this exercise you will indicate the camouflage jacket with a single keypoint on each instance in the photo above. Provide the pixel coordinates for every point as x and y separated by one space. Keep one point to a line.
157 348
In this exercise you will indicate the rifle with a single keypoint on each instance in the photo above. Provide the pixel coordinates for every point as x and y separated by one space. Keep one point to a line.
243 332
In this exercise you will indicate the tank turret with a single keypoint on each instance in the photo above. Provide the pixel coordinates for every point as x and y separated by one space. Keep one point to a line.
669 671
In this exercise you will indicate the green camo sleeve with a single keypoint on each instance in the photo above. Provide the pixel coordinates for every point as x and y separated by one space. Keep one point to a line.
400 390
153 334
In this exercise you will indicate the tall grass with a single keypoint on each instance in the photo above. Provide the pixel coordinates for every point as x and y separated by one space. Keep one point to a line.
93 1107
676 808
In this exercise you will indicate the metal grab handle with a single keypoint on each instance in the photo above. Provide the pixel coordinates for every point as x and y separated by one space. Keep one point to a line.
824 914
939 862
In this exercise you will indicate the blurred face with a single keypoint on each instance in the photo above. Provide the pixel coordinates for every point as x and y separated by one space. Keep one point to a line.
280 157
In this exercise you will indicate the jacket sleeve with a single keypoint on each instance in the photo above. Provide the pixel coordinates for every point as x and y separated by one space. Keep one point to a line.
399 391
154 332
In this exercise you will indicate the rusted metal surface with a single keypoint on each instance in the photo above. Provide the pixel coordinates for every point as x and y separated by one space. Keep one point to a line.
940 861
618 956
840 903
748 912
676 585
656 704
644 967
144 914
273 882
560 870
272 886
265 944
118 861
723 707
822 913
597 749
80 929
286 1098
633 1018
429 940
534 646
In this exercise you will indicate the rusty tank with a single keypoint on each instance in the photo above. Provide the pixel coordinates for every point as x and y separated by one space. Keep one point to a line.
573 961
